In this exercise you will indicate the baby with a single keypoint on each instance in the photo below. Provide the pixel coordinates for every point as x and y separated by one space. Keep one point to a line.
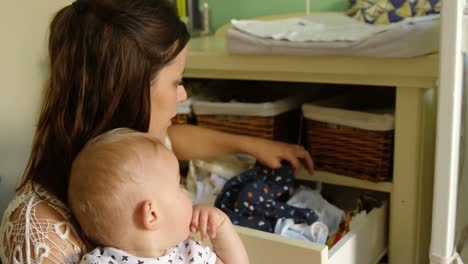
124 191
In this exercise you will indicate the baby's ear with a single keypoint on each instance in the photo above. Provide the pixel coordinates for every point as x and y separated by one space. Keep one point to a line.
149 216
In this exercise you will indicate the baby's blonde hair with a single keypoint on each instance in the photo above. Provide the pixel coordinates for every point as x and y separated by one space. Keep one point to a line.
103 178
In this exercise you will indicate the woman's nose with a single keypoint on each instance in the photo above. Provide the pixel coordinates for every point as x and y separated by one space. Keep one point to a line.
181 94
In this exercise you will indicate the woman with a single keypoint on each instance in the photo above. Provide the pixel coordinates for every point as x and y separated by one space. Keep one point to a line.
113 63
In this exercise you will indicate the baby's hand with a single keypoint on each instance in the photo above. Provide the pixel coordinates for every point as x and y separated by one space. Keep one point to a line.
226 242
207 220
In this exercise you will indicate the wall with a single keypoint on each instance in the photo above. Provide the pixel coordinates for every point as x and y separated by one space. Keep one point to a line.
224 10
23 70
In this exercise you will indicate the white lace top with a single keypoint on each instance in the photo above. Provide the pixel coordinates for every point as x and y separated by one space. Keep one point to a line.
28 237
35 230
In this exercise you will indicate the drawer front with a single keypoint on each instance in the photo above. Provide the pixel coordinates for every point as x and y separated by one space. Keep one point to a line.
264 247
366 243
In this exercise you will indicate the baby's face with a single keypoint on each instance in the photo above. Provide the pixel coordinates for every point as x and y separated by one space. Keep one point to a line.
175 207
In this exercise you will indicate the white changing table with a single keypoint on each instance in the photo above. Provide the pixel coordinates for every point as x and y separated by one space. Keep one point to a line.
411 188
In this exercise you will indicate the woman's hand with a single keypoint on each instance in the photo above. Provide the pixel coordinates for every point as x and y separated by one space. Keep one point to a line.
207 220
271 153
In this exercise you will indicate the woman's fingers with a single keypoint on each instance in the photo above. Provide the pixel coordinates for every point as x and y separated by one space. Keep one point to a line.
294 154
274 163
309 162
304 155
296 165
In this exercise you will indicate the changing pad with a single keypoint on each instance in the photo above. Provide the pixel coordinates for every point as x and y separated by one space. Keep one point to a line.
319 27
411 37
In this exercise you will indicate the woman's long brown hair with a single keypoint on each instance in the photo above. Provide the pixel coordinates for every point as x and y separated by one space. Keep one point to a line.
103 56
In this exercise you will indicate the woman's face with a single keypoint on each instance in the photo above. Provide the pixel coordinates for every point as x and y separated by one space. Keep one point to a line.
166 91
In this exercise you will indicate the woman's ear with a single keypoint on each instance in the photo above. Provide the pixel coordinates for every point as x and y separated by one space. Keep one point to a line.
149 216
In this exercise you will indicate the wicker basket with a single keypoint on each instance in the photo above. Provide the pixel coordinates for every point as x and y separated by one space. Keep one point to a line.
346 148
276 120
181 119
283 127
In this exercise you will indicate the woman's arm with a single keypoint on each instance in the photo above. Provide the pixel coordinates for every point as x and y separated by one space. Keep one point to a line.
193 142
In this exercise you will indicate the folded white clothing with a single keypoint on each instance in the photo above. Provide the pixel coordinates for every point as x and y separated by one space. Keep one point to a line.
208 189
316 232
321 27
327 213
226 166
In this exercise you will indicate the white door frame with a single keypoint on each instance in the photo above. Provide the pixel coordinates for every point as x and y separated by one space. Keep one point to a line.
448 133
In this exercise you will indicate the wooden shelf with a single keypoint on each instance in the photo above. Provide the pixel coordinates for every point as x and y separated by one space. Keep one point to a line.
207 58
336 179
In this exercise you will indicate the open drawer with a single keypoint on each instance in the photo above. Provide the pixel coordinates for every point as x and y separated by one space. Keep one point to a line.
366 243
